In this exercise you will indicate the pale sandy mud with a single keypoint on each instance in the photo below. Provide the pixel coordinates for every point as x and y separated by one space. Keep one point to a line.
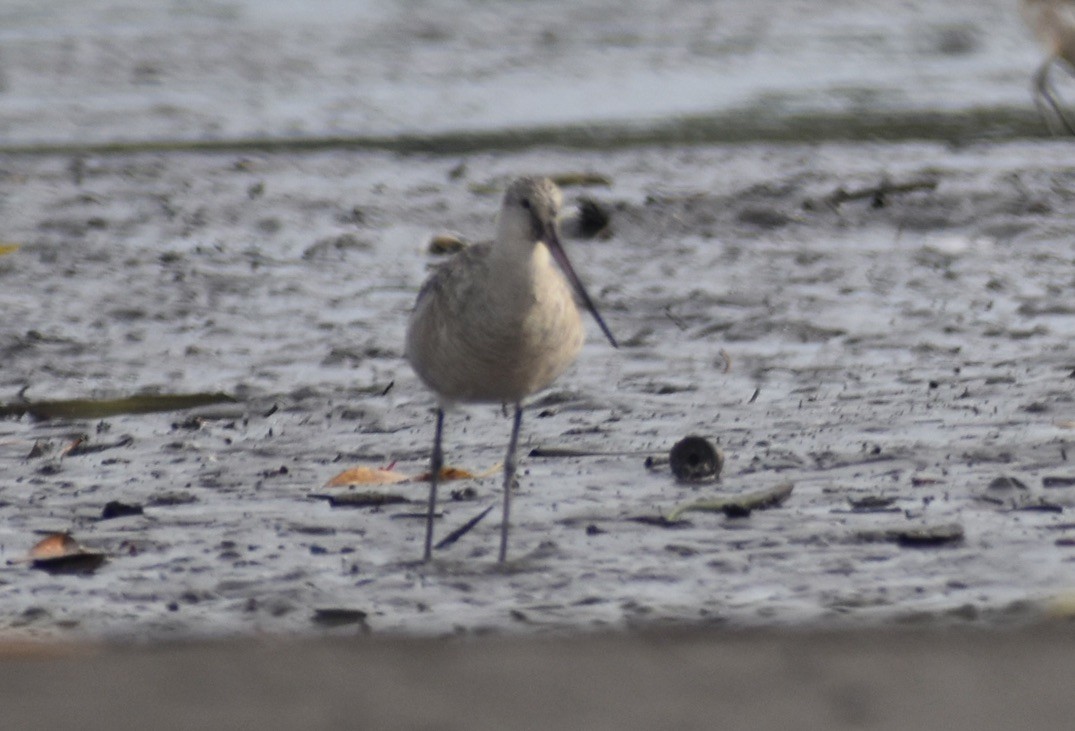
911 346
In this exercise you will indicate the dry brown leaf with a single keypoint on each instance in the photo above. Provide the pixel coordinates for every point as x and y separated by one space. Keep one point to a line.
54 545
359 476
366 476
59 553
74 445
446 244
447 474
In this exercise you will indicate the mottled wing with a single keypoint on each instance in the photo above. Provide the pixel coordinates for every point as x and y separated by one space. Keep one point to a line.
455 276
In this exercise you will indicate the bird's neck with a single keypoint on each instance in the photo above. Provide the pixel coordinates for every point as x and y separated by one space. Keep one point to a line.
519 264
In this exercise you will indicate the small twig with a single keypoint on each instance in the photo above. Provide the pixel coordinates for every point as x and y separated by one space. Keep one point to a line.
556 452
738 504
462 530
727 360
677 321
877 192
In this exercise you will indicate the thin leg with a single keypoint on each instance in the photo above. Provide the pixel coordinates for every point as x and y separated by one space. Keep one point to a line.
436 462
1064 118
1045 98
509 478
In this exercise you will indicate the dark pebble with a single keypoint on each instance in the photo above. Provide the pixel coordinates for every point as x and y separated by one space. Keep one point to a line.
695 458
116 509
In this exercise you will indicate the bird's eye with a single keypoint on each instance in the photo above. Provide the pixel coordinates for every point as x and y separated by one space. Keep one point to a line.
525 203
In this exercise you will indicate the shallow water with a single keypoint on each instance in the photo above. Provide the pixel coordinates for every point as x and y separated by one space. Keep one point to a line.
76 73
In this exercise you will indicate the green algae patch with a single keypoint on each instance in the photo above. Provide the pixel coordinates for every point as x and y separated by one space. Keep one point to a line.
103 408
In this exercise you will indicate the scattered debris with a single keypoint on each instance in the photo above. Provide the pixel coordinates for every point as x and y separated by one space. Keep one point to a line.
463 493
923 536
103 408
1004 482
727 367
116 509
763 218
447 474
40 449
366 476
871 504
491 188
1038 504
334 617
660 521
1057 481
590 220
564 180
462 530
656 462
335 247
82 446
930 535
60 553
172 498
594 219
694 458
443 244
558 452
735 510
922 480
364 499
359 476
458 171
736 505
580 179
876 194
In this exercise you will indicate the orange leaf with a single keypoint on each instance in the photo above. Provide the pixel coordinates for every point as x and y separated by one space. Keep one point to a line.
366 476
447 474
59 553
54 546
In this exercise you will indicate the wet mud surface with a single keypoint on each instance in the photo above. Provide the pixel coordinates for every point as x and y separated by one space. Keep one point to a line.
886 327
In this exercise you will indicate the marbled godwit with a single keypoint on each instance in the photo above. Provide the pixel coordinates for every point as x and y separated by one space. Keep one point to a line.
1053 22
498 323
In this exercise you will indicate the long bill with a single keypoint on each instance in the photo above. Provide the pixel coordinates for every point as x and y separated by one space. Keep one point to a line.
552 240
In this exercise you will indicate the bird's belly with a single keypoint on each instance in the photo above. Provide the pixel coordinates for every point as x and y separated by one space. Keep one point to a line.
475 364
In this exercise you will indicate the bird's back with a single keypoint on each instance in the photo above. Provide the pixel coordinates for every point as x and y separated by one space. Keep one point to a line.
1053 22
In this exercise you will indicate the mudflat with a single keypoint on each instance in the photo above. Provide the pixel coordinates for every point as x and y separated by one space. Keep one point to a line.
883 327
